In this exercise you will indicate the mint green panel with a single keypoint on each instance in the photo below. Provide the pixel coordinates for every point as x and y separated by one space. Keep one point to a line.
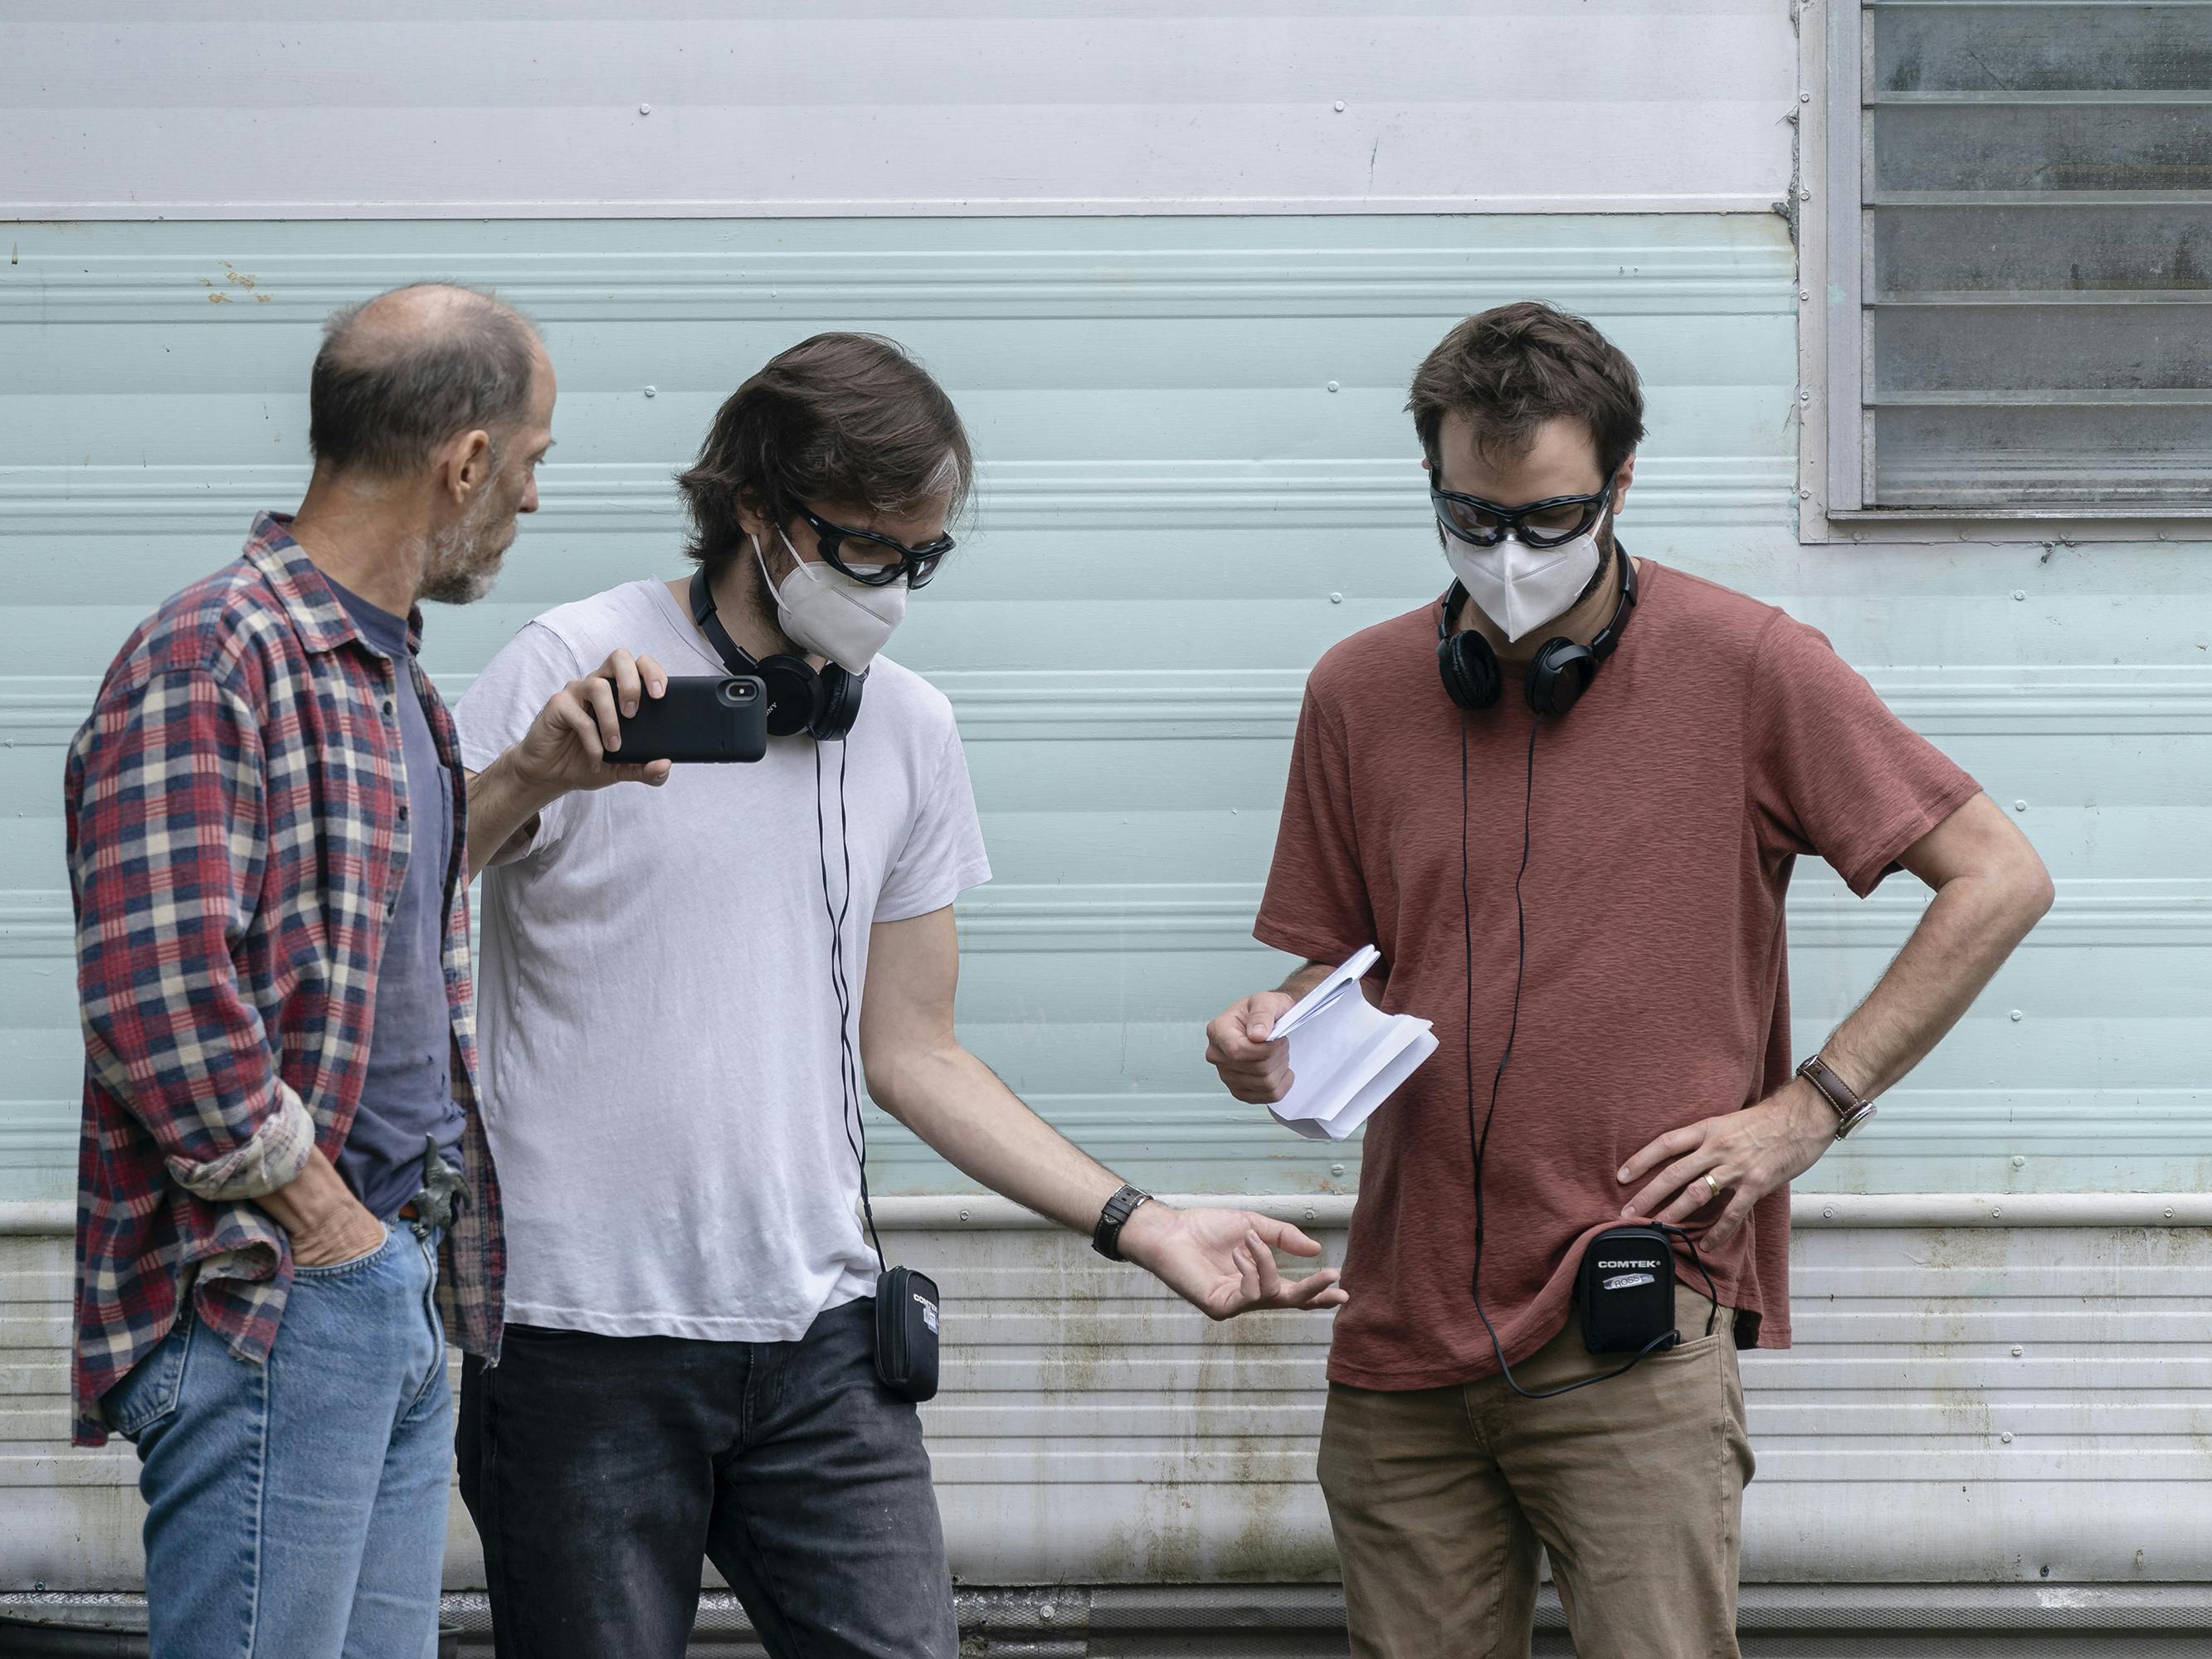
1197 474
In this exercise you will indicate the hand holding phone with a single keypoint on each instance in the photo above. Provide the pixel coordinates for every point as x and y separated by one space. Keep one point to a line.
707 717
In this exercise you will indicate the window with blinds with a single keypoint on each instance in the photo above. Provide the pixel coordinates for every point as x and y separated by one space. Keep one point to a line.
2034 269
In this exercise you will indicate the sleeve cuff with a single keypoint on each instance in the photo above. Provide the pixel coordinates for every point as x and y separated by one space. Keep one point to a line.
273 1159
1297 942
1899 837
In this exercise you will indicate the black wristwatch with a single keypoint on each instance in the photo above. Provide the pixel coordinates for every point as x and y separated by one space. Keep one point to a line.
1106 1237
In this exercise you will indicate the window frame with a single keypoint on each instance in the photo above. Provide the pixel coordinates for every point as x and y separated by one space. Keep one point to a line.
1828 221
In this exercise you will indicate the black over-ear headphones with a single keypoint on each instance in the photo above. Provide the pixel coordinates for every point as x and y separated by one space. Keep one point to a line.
1557 675
823 704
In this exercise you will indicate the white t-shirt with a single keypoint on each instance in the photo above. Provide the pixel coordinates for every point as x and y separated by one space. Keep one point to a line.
657 1019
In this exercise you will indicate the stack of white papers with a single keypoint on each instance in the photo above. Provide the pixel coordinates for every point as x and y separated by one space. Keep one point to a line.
1348 1056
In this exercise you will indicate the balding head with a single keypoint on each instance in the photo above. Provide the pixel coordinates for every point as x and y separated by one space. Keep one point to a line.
402 374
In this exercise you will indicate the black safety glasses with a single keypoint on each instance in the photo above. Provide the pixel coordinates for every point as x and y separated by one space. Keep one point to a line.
877 560
1552 522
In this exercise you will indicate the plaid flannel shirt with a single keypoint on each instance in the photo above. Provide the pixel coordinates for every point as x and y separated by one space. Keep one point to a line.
237 836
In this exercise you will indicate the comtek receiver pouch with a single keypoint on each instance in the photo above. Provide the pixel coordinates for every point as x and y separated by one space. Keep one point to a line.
1626 1291
906 1333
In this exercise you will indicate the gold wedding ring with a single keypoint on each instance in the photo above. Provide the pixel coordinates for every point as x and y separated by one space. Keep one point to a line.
1712 1186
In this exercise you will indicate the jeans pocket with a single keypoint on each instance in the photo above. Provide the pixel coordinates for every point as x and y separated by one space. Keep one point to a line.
351 1264
150 1390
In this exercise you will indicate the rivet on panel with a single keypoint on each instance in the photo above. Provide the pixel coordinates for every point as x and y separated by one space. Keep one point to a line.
1338 1169
964 1215
1336 599
1309 1215
1828 1212
2019 1161
1998 1214
653 392
2006 1436
1804 494
1804 195
1804 293
644 109
2019 806
2017 1351
1045 1613
1339 106
2020 593
1332 385
1804 97
2018 1015
2169 1213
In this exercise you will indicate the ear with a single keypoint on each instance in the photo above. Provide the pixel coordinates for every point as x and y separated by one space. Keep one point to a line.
1622 479
463 467
752 517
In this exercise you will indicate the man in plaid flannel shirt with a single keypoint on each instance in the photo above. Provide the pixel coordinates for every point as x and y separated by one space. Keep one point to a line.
283 1178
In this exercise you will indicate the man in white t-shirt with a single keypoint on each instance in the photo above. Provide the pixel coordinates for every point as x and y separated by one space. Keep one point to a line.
681 990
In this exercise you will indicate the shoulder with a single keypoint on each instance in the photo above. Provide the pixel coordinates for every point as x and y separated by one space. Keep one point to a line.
1374 656
593 626
913 710
228 625
1724 626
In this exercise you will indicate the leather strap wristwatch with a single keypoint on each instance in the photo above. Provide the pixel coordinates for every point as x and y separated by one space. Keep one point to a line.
1106 1237
1852 1109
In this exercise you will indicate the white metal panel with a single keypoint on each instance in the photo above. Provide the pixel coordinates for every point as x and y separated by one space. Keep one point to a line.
1979 1402
135 109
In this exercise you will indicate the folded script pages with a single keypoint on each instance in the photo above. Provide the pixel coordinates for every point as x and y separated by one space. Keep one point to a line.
1348 1056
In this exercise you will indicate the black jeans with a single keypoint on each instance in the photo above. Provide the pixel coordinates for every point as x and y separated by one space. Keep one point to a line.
600 1469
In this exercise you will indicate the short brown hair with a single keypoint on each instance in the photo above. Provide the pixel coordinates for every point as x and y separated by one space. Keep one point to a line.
842 418
1511 368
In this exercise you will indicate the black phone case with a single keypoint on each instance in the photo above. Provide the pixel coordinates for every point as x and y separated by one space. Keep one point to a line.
906 1334
707 717
1627 1288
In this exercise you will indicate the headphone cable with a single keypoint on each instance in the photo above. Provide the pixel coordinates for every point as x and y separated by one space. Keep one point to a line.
1478 1146
848 1091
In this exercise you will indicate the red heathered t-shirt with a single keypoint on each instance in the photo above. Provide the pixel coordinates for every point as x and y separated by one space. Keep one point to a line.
1720 741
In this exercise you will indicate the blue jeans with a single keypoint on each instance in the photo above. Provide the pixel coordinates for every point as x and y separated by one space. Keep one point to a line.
297 1509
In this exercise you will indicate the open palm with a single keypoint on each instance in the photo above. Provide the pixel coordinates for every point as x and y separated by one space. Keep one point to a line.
1222 1261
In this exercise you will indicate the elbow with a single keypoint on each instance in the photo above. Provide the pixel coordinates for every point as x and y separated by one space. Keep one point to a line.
881 1078
2029 889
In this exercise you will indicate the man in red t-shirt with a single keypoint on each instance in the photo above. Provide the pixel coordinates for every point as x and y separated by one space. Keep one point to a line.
1565 803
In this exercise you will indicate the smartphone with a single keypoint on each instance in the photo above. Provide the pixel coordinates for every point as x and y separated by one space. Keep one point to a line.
707 717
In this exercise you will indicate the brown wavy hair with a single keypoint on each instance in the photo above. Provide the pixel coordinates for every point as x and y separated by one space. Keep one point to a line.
840 418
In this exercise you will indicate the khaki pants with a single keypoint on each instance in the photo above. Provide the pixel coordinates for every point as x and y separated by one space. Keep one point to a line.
1440 1498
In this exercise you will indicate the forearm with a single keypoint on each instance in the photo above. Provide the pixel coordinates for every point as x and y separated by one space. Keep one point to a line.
503 809
311 1200
1972 923
958 1105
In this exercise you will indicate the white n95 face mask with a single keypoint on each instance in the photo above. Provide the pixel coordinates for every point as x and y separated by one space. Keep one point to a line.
1521 588
827 612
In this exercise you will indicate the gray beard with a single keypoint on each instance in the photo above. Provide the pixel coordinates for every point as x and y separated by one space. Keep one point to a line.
462 565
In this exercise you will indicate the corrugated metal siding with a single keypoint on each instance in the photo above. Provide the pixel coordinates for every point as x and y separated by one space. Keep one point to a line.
1197 477
138 109
1966 1405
